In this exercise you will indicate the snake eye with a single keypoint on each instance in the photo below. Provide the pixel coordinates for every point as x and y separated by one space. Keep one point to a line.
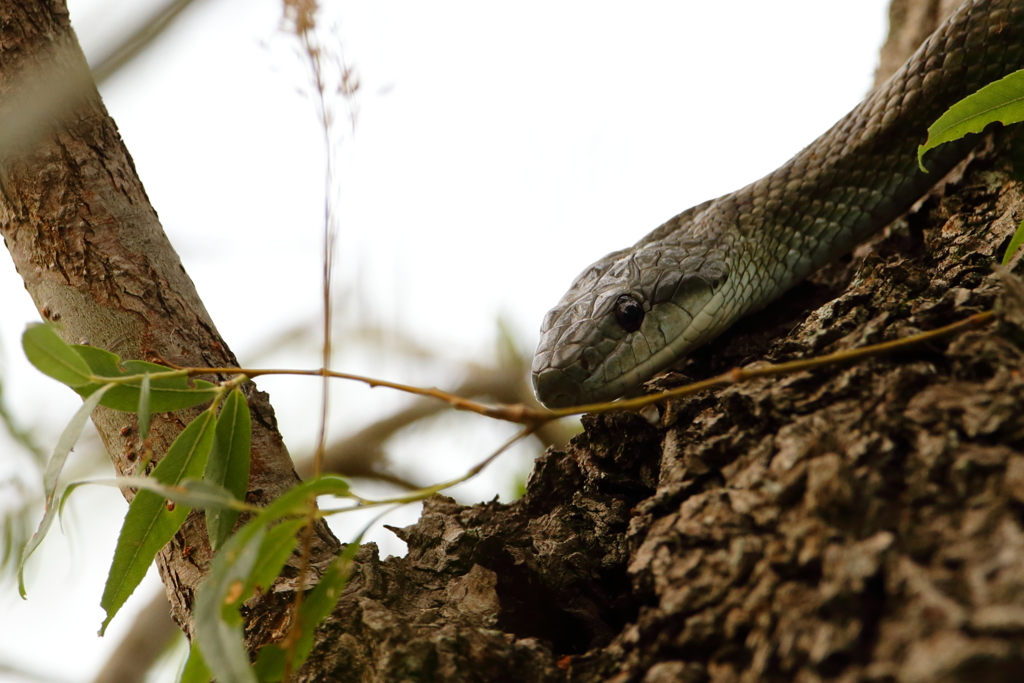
629 314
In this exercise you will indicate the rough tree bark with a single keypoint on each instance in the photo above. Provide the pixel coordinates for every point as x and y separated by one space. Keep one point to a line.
94 258
861 523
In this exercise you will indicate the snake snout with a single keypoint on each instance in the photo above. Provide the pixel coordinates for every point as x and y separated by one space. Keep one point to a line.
555 388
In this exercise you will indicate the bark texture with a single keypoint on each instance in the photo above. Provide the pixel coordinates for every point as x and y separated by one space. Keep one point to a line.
862 523
94 258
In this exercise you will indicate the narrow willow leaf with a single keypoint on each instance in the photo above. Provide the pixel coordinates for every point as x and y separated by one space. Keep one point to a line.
228 465
171 393
1015 242
223 642
191 493
218 629
53 469
294 501
320 602
1001 101
151 521
102 363
144 412
166 393
276 547
195 669
66 495
54 357
217 495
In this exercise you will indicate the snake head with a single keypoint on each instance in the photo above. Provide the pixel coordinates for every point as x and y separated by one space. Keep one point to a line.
630 315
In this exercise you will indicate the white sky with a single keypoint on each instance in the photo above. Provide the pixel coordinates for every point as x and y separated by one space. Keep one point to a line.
500 149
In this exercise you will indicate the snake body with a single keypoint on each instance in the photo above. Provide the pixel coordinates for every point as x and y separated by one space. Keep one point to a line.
637 311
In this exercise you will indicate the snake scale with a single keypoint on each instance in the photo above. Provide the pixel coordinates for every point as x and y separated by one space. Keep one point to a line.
637 311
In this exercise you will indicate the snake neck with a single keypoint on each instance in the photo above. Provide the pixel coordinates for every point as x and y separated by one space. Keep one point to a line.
702 270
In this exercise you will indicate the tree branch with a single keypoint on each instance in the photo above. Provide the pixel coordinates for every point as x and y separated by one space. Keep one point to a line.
95 260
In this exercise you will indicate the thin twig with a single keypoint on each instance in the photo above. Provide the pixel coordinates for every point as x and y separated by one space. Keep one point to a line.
427 492
517 413
533 417
330 236
140 39
363 453
303 14
737 375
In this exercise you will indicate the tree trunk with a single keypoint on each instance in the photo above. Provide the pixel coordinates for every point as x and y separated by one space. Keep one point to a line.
95 260
910 22
858 523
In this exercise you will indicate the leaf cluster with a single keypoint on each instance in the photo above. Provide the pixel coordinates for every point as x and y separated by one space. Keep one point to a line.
206 468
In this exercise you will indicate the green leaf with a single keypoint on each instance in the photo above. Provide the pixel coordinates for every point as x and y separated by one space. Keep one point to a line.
277 546
1015 242
270 664
173 392
321 601
1001 101
195 670
228 465
166 393
53 469
217 497
102 363
293 502
67 494
191 493
54 357
223 642
144 412
151 522
236 569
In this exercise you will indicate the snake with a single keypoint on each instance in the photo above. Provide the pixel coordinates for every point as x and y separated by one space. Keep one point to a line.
639 311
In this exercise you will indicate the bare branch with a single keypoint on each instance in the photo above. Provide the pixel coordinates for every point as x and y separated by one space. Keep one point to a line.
140 39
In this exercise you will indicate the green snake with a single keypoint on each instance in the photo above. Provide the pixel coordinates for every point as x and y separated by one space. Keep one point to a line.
638 311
